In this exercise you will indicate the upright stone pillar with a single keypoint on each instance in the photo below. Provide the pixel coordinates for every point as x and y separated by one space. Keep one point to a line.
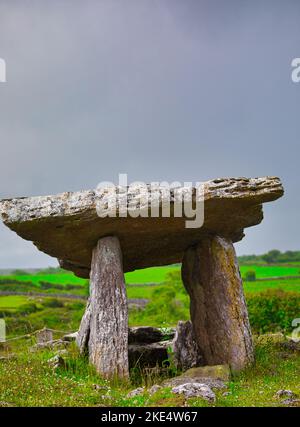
104 326
211 276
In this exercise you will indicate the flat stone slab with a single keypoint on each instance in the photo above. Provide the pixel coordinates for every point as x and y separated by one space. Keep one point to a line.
66 226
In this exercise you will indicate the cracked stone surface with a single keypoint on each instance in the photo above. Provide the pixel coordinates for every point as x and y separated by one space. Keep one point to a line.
67 226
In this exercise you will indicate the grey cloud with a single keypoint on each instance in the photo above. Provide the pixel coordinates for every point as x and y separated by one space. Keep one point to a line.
162 90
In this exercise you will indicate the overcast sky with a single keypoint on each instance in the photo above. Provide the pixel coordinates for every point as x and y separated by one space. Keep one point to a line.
183 90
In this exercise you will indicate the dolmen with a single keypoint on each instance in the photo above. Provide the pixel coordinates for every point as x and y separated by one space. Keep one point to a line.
68 226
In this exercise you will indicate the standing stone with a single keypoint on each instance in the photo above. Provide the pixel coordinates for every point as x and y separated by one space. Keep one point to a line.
219 315
83 336
104 326
186 351
44 336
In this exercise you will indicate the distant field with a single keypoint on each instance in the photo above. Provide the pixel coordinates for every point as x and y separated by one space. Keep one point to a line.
12 302
156 275
61 278
270 271
168 302
141 291
252 287
286 285
149 275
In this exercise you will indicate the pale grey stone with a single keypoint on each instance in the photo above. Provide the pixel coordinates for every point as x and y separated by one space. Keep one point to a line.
195 390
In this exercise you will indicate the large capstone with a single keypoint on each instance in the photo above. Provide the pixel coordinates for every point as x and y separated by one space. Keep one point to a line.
67 226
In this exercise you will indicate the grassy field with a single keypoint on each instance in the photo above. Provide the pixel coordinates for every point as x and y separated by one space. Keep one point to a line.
27 379
12 302
60 278
148 275
270 271
283 284
168 301
158 274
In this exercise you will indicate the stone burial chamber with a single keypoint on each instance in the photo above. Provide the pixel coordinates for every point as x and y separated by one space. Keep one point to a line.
67 226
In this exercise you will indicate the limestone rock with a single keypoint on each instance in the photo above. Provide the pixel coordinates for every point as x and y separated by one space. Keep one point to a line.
107 328
185 349
285 394
56 362
211 276
217 372
154 389
137 335
70 337
44 336
136 392
195 390
291 346
182 379
291 402
66 226
147 334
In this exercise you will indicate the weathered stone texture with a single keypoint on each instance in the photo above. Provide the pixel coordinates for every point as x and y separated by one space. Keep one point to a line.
185 348
210 273
104 326
148 355
66 226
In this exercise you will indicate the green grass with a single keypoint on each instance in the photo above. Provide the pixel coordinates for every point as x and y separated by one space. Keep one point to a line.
149 275
12 302
144 291
284 284
158 274
168 303
270 271
28 380
61 278
249 287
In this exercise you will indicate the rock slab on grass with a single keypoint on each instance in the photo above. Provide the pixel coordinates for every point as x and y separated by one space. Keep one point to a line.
214 377
287 394
136 392
198 390
217 372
